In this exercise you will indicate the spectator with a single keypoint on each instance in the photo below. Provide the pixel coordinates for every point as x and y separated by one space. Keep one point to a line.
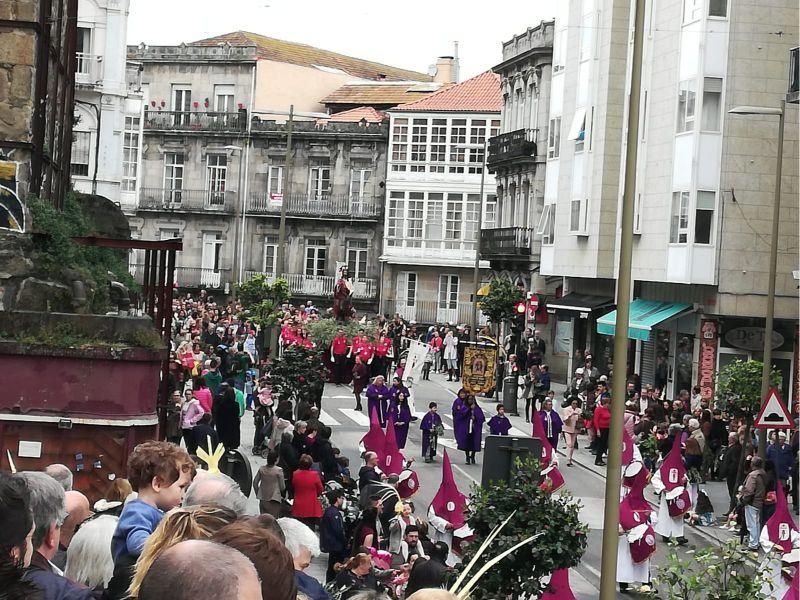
203 394
226 417
47 505
77 507
201 570
216 488
332 537
61 473
729 467
16 533
368 473
89 560
191 413
752 497
303 545
307 487
781 455
602 422
270 556
355 575
409 547
270 487
695 445
204 435
118 492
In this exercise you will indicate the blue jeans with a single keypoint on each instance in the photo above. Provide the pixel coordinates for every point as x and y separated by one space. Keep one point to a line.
752 516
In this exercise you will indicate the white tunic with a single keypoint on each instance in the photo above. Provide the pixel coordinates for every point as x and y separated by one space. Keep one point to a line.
665 524
627 570
771 566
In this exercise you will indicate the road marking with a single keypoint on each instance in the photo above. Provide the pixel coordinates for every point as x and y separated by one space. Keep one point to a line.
463 472
328 419
355 415
591 569
337 397
517 433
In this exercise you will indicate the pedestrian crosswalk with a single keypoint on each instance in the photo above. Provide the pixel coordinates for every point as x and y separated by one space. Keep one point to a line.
358 417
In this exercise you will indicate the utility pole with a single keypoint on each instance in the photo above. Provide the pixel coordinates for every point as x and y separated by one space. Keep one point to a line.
608 568
476 274
287 168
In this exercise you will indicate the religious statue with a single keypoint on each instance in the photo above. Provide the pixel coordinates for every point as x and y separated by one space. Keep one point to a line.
342 297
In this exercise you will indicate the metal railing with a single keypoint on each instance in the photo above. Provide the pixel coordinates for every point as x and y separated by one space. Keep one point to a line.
193 120
507 241
432 311
305 205
321 285
185 200
512 145
189 277
88 68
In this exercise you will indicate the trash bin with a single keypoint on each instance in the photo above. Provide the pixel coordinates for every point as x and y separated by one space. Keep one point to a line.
510 394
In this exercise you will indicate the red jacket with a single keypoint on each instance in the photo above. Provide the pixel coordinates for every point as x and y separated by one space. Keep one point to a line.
307 488
339 345
602 417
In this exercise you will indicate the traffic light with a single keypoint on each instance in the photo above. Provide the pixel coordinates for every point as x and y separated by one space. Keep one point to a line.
520 310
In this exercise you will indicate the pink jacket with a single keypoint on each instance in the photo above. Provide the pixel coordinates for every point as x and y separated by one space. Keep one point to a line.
203 396
191 412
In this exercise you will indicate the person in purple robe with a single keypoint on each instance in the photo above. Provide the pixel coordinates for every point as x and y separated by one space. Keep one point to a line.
430 426
551 422
397 388
400 412
499 424
378 398
468 421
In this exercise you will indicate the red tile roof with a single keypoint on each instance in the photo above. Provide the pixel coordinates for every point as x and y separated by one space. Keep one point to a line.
376 93
309 56
355 115
480 94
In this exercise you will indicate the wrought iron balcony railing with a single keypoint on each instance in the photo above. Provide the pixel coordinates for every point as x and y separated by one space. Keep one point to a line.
193 120
345 206
322 285
186 200
507 242
514 145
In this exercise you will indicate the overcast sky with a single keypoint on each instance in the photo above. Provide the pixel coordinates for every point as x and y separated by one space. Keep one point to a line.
409 34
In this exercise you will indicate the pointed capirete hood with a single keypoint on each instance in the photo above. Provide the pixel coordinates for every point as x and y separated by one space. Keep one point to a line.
780 525
449 503
559 588
374 440
391 459
538 433
627 448
672 470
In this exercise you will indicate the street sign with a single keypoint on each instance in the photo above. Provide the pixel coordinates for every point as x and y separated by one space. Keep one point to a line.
773 414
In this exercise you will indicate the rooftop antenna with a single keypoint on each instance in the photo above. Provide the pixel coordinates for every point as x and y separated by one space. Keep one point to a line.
456 65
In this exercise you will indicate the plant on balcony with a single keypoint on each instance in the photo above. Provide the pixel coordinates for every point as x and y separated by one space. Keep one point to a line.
262 299
298 373
498 304
322 332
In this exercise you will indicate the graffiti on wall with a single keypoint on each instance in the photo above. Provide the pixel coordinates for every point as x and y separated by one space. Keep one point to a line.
12 213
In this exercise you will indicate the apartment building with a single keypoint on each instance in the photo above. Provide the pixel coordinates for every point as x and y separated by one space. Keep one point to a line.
214 157
705 186
107 134
433 185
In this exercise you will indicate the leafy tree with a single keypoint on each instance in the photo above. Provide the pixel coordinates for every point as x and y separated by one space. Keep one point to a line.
262 300
499 303
561 546
299 372
322 331
721 572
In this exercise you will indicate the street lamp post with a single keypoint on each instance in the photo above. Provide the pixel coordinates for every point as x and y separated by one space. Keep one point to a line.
773 253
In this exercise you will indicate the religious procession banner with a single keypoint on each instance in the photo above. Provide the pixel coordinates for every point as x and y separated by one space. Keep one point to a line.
480 364
415 360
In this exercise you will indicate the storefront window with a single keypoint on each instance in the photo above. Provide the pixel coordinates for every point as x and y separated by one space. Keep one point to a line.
683 363
563 335
662 369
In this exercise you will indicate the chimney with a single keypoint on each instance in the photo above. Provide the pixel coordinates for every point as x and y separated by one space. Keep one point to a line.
446 70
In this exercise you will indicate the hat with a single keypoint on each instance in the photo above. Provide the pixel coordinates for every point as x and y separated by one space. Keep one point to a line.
603 378
579 370
782 434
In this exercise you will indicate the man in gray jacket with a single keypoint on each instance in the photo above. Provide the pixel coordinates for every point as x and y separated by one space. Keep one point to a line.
752 497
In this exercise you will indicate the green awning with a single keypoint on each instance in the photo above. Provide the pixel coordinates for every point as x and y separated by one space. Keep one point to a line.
644 316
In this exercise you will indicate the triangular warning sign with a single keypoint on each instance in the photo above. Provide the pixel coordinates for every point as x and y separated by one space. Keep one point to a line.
773 414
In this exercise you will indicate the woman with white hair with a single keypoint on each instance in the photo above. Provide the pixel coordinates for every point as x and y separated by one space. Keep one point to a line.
89 559
303 545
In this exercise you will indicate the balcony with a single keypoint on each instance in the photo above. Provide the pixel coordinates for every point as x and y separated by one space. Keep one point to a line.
432 311
322 285
507 243
211 122
88 69
343 206
190 277
793 97
515 146
170 200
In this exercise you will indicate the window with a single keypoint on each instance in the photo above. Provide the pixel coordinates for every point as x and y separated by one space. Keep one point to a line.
400 144
546 226
319 182
407 288
83 51
589 126
554 138
394 219
692 10
211 258
438 144
643 118
168 233
359 182
223 98
704 217
275 179
477 137
316 256
520 100
490 212
357 258
130 153
453 218
448 292
577 131
173 176
419 144
577 215
434 224
181 104
718 8
637 214
679 220
270 254
471 221
416 206
712 101
686 99
587 29
81 151
216 173
458 137
560 51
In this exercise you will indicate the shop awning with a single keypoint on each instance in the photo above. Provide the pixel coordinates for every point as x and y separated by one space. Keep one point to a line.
644 316
581 303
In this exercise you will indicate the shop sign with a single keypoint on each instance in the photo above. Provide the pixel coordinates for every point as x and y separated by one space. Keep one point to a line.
707 370
751 338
